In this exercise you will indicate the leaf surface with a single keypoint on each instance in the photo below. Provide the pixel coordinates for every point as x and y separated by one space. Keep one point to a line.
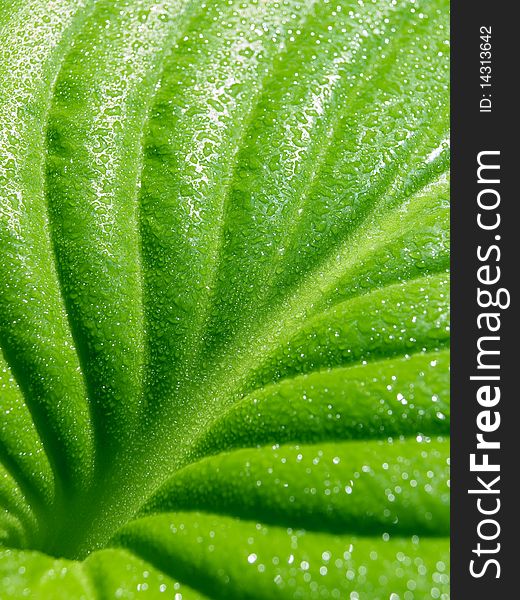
224 306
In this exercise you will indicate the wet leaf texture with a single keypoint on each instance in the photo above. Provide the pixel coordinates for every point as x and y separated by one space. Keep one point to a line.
224 328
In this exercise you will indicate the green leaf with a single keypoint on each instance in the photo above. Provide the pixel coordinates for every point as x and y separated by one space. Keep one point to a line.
224 305
230 558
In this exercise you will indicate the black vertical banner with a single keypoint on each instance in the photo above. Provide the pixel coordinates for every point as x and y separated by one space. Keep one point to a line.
485 264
